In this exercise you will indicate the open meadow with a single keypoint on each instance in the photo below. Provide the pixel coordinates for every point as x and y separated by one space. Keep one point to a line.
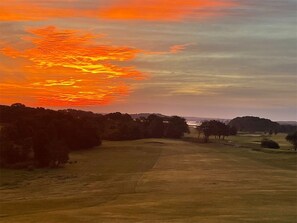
156 180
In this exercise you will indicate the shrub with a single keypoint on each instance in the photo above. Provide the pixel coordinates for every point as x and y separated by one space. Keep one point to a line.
267 143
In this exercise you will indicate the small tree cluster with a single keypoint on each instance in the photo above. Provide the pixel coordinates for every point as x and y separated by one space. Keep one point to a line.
292 138
215 128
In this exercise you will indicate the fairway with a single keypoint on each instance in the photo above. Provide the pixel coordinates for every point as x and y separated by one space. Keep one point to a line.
155 180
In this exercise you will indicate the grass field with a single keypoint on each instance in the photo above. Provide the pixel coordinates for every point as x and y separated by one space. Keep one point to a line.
249 140
156 180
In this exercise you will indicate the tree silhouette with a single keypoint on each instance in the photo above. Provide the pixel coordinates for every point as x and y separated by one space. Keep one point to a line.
214 128
292 138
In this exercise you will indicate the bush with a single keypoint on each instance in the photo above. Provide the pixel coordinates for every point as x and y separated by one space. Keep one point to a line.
267 143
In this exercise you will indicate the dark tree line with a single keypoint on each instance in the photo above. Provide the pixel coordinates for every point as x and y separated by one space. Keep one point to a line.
215 128
122 127
44 137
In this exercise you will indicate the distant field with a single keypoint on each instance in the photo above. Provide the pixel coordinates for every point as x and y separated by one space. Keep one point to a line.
156 180
249 140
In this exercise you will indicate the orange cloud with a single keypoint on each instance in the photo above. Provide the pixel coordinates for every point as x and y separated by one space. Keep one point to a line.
17 10
42 94
152 10
69 49
163 10
66 67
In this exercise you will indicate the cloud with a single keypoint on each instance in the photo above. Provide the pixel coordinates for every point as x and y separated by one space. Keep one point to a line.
172 50
70 49
179 48
163 10
67 67
149 10
18 10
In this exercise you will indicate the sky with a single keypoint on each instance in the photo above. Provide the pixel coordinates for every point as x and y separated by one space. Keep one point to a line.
205 58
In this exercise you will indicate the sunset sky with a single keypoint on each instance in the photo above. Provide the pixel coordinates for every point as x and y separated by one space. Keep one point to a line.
207 58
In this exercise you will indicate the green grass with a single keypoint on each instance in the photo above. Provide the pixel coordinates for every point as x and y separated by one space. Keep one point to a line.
156 180
254 140
249 140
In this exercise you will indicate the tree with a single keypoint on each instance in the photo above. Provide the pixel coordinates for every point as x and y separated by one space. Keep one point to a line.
58 152
292 138
207 129
232 131
215 128
175 127
14 147
41 152
155 127
122 127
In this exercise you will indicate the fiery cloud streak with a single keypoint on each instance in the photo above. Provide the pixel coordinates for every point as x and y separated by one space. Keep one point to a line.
65 67
151 10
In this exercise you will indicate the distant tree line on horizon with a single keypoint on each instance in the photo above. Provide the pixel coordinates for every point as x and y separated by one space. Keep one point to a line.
253 124
44 137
